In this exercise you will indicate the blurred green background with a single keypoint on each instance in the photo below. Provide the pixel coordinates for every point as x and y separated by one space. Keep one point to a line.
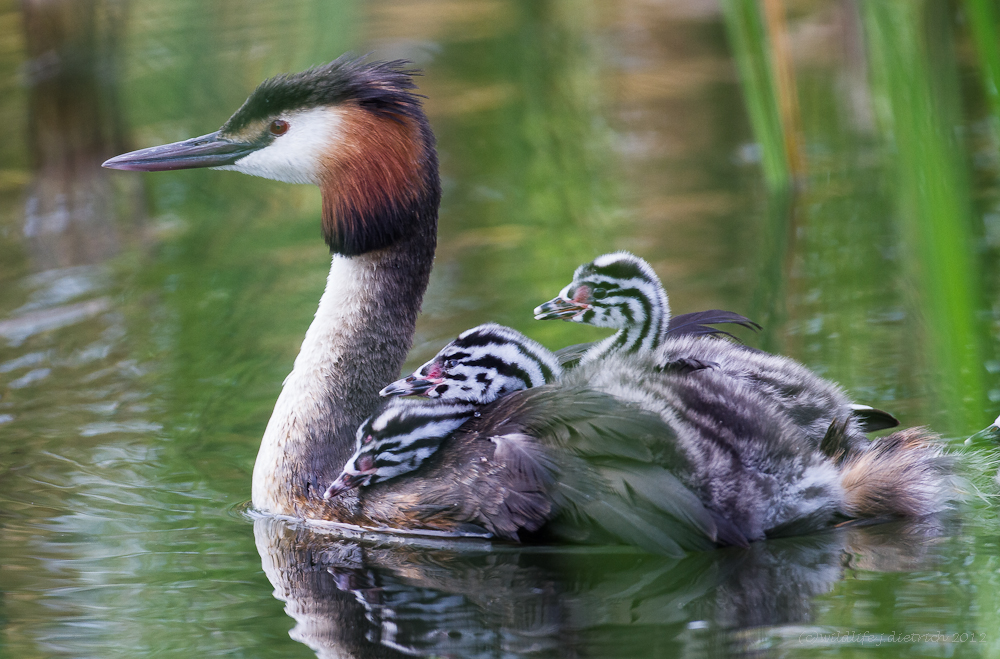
829 169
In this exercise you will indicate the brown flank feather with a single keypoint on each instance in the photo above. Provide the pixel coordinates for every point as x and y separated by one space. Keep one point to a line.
899 475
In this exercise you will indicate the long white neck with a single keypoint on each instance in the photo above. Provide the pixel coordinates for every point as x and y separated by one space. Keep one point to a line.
355 346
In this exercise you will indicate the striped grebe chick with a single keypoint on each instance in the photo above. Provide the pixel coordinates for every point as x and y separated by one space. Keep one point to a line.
481 365
622 291
397 439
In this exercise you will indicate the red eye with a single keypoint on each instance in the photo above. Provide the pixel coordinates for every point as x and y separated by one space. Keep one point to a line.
278 127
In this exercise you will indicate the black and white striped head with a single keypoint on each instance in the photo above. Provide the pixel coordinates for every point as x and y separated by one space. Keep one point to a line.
617 290
398 439
481 365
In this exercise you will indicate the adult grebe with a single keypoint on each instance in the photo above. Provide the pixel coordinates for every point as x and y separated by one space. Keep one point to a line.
357 131
709 461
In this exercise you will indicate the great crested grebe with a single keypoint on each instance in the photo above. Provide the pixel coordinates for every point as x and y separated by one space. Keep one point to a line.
622 291
590 452
397 439
481 365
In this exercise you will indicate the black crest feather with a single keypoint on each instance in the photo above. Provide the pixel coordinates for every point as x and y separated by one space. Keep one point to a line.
380 87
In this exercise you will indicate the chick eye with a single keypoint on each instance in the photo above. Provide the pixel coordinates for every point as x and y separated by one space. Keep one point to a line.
598 293
278 127
450 364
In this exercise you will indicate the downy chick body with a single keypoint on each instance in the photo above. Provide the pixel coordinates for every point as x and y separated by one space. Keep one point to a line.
622 291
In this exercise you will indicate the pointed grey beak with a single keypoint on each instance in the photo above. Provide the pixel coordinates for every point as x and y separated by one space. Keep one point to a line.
408 386
210 150
559 308
343 483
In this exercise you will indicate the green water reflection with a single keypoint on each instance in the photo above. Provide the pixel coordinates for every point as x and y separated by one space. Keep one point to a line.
146 323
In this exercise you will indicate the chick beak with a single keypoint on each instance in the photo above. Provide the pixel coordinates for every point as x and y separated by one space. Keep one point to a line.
210 150
559 308
343 483
409 386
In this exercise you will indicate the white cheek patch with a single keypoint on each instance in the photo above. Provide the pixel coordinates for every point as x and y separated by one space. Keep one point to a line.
296 156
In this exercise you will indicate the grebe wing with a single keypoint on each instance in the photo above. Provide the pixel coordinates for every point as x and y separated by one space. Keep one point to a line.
873 419
595 453
570 356
698 323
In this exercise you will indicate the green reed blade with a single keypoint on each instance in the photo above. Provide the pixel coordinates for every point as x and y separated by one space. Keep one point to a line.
911 58
982 17
751 50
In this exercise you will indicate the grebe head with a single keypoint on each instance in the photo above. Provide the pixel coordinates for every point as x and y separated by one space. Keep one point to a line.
481 365
354 128
616 290
397 440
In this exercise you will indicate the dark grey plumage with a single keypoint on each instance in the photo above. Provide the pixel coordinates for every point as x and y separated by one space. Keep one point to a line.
811 402
598 464
699 323
742 454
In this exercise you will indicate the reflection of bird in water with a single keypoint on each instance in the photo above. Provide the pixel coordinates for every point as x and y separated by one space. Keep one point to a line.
457 597
683 461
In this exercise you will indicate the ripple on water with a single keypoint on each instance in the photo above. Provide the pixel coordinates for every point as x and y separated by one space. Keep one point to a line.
30 378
